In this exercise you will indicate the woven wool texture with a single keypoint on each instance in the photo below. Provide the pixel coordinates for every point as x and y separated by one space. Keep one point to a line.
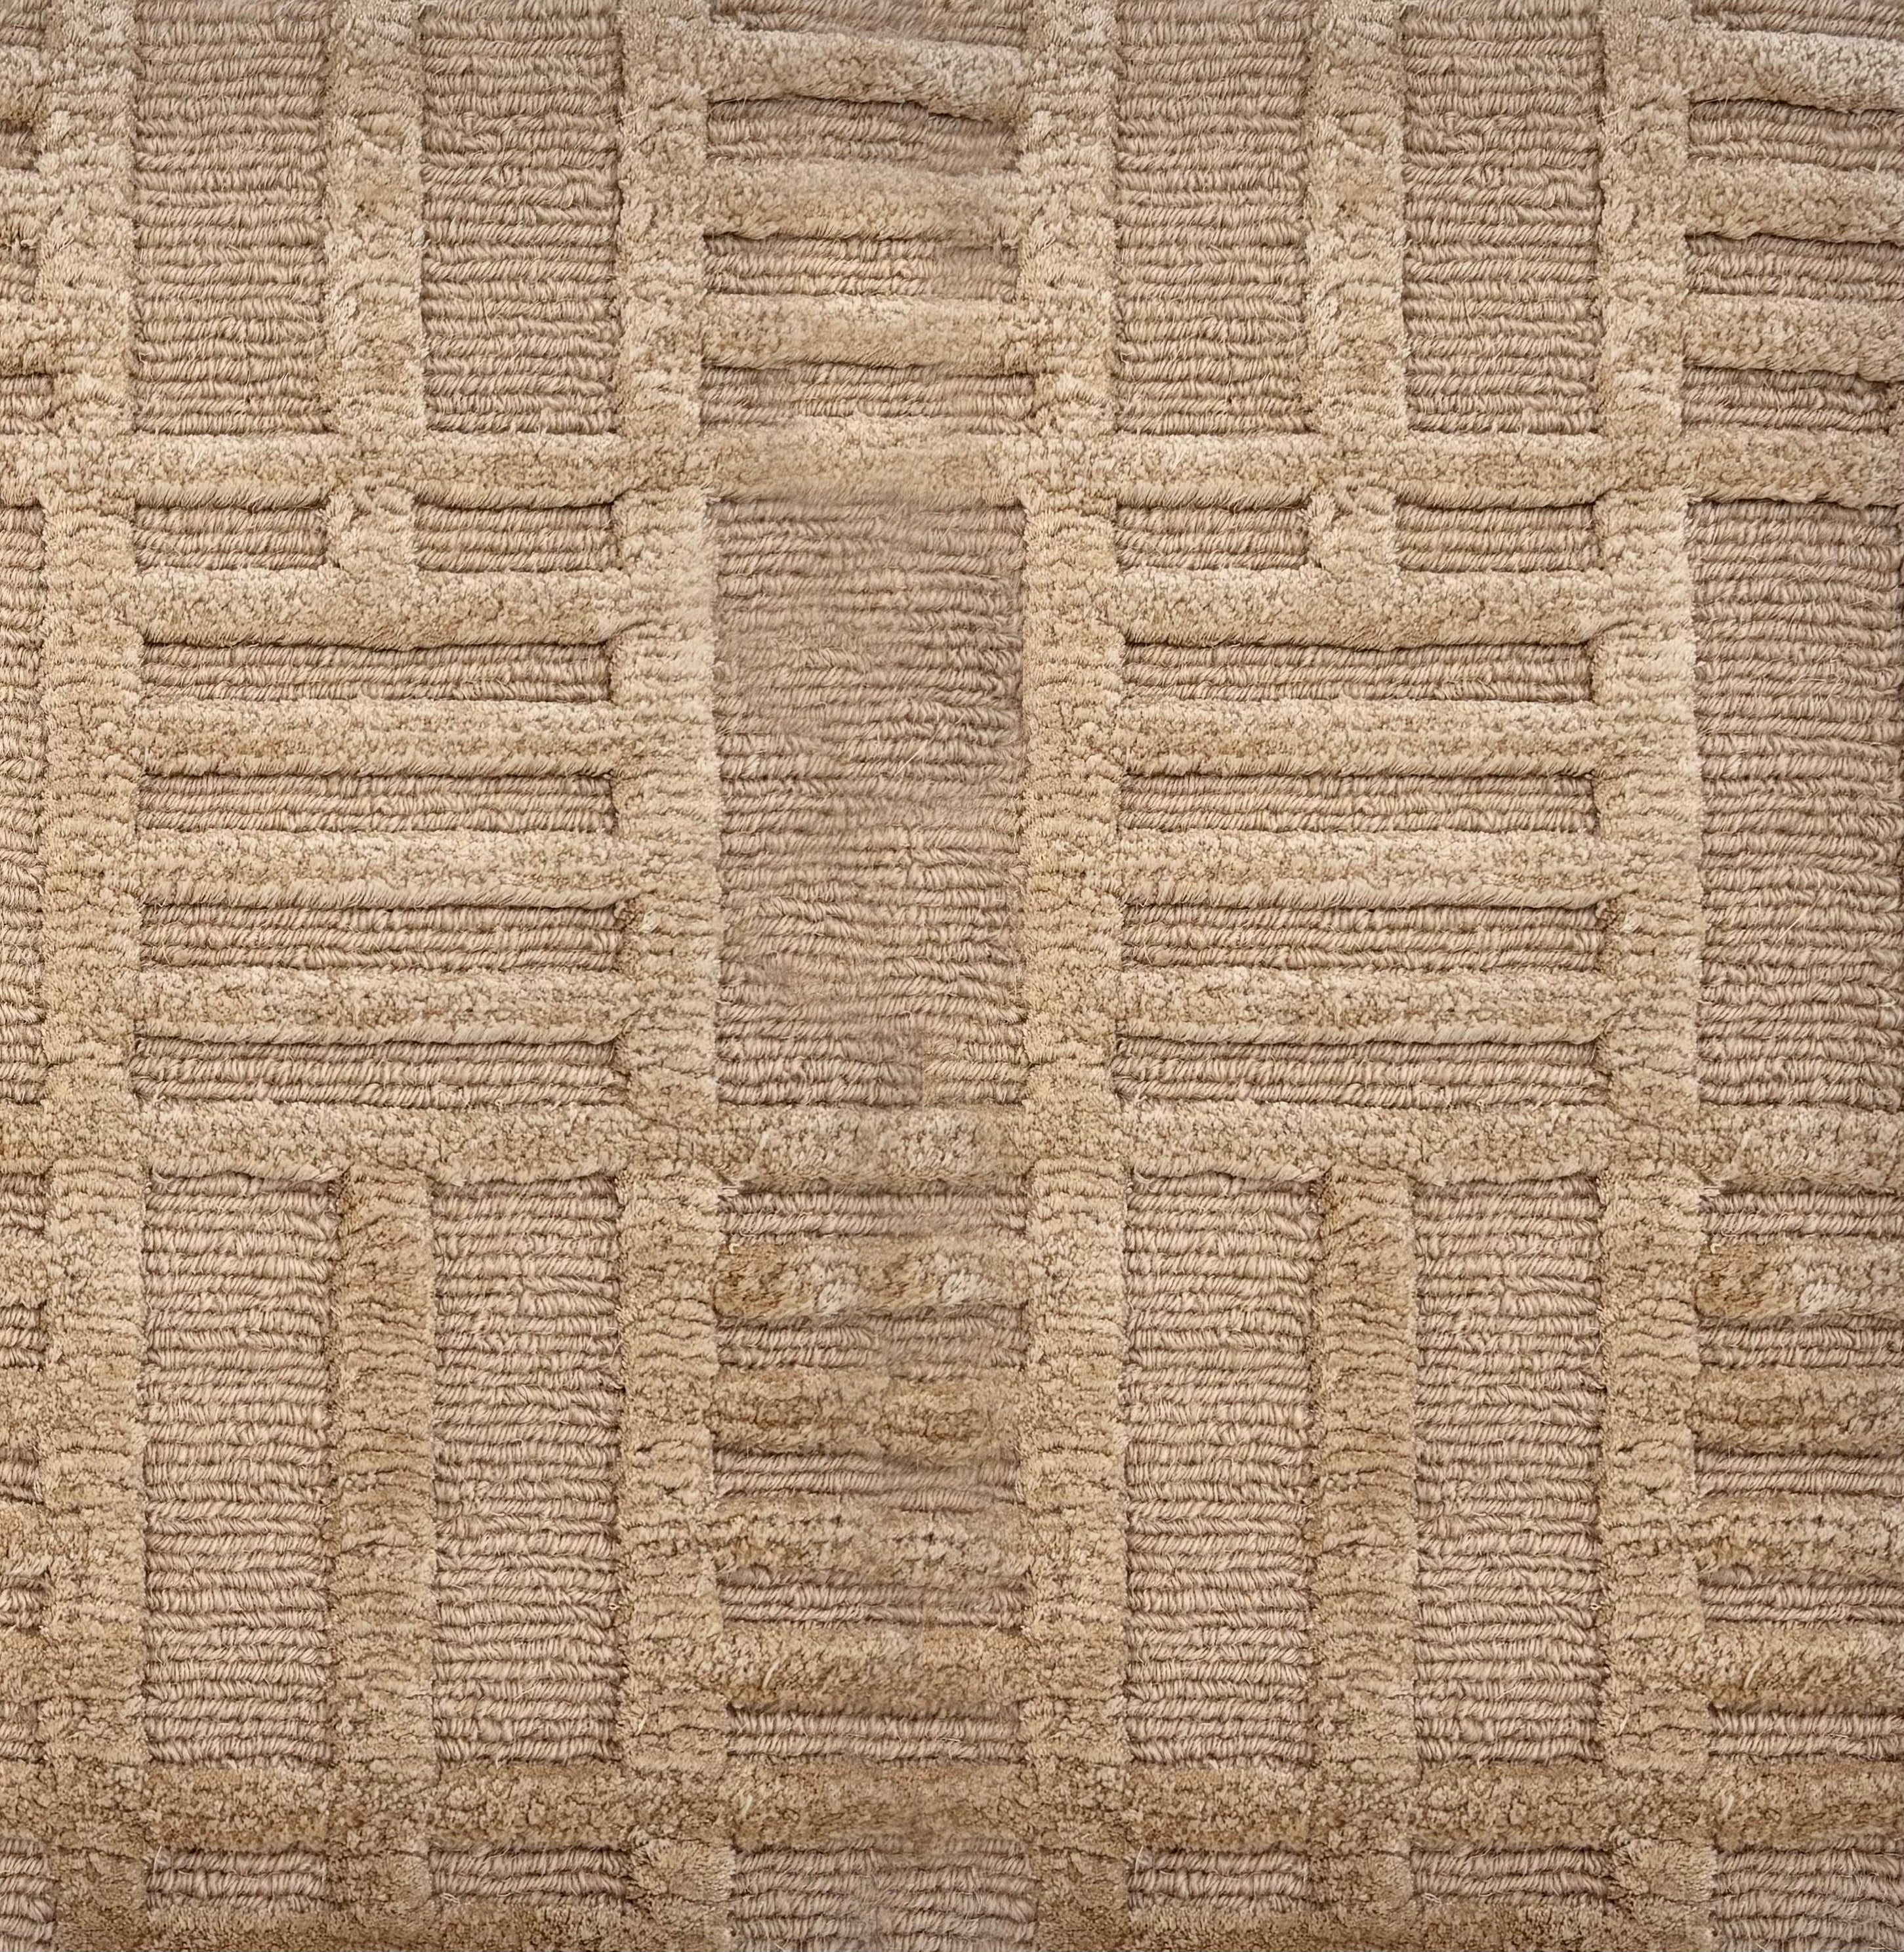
952 975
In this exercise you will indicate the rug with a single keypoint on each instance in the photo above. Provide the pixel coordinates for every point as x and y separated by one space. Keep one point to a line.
952 975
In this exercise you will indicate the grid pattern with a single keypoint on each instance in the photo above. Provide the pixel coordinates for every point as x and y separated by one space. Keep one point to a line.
949 973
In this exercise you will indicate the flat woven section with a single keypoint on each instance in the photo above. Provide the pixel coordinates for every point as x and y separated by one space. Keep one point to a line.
952 975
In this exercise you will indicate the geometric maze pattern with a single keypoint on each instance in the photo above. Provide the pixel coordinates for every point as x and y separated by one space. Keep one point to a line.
951 973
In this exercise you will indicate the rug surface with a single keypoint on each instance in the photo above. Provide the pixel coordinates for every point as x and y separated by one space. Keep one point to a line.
951 983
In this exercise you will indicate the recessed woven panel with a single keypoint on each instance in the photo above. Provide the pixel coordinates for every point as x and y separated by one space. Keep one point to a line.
441 1073
1800 633
520 204
995 22
1246 674
1217 1474
1210 215
858 267
1502 209
234 1399
586 1874
347 803
1796 1899
1563 1874
528 1408
280 673
867 688
1206 934
1416 1075
1322 802
1431 537
830 389
23 1232
1509 1409
1803 17
1732 131
26 1908
1245 1881
22 786
1174 537
450 538
1814 402
229 148
299 936
978 1899
225 537
290 1880
805 128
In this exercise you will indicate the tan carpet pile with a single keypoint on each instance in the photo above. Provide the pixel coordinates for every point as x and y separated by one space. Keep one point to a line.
952 975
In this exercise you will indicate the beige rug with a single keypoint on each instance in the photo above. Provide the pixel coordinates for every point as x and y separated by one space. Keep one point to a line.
951 983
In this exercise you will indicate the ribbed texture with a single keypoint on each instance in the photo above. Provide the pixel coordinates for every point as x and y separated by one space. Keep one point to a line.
222 537
26 1897
23 1598
1841 1899
880 268
867 703
291 1880
998 22
536 538
520 101
528 1405
1241 674
531 1874
1246 1881
1809 402
1217 1472
1795 132
1432 537
1801 657
810 129
366 803
303 935
22 1225
1507 1406
21 1740
1338 802
23 1070
1876 17
786 1736
1419 1076
26 399
1211 247
1502 176
1174 537
1472 1874
415 1073
1780 1735
978 1897
1202 934
277 674
1795 268
235 1399
1742 1214
958 402
229 149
